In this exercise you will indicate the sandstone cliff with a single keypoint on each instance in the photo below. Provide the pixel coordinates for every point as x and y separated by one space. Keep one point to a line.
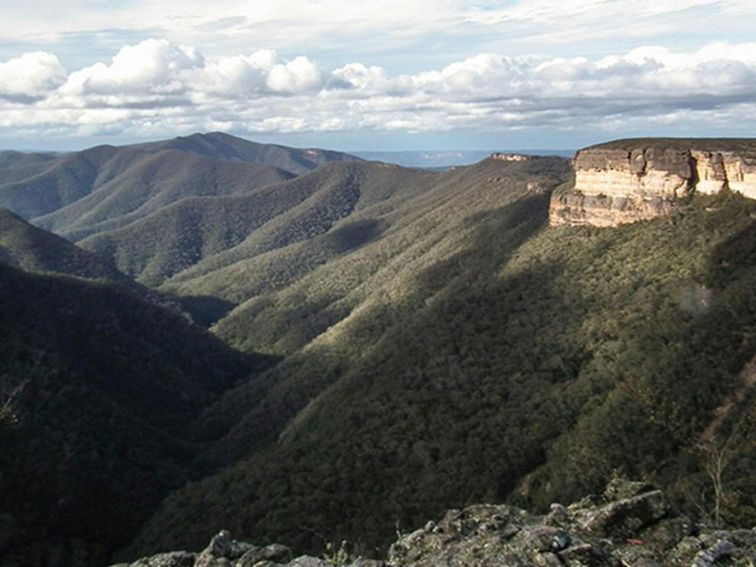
630 180
631 524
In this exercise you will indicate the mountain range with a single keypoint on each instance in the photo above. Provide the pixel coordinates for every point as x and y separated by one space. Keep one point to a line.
382 343
444 159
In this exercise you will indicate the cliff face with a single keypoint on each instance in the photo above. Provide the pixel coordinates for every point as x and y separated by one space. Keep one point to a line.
631 180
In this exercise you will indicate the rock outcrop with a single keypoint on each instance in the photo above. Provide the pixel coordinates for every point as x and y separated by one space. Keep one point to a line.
630 525
631 180
500 156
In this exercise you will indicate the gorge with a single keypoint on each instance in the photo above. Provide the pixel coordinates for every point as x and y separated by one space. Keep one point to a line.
381 344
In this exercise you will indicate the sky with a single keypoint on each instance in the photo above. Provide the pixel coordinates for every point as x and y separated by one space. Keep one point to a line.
378 75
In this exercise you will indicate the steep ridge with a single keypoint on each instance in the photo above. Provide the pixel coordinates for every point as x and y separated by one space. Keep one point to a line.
492 358
102 385
56 183
218 145
630 180
135 185
105 187
18 165
429 215
178 237
348 208
352 295
32 249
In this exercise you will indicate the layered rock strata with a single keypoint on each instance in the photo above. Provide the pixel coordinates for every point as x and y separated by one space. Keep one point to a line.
631 180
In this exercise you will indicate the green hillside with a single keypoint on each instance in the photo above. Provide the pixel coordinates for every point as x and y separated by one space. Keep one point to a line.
145 183
182 235
512 360
436 343
30 248
427 218
347 206
103 385
218 145
106 187
18 165
423 225
50 185
245 247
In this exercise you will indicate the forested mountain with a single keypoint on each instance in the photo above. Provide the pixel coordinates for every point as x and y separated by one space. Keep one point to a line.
33 249
17 165
488 357
102 385
243 247
437 343
105 187
218 145
25 246
212 233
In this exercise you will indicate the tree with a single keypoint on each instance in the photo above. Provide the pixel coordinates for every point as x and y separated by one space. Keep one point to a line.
718 452
7 417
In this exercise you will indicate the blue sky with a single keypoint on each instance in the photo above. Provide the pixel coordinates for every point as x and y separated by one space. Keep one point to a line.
389 74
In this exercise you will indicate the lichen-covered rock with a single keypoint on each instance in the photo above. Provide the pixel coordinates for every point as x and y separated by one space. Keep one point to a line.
620 488
172 559
307 561
222 551
273 553
625 517
630 525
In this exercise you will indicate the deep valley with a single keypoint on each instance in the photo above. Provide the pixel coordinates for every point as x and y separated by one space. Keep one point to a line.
304 347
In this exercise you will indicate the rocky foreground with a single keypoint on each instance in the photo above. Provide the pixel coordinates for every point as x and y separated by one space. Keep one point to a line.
632 524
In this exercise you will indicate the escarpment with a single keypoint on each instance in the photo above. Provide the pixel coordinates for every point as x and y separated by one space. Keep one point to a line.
631 180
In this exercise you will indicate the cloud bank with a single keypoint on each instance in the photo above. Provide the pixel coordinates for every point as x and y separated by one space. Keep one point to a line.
157 87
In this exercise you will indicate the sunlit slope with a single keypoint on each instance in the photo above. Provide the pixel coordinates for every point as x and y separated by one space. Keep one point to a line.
218 145
194 231
493 357
106 187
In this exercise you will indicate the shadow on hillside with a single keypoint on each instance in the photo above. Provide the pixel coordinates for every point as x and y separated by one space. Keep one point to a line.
734 252
205 310
353 235
457 389
276 397
679 362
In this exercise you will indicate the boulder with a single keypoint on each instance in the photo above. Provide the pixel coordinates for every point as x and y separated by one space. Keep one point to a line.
631 524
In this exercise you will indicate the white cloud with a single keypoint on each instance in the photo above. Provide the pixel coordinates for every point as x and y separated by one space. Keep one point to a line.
157 72
410 32
156 87
240 73
31 75
152 66
298 75
262 72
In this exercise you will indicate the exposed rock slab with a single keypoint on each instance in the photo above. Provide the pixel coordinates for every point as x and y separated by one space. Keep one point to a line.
631 180
630 525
